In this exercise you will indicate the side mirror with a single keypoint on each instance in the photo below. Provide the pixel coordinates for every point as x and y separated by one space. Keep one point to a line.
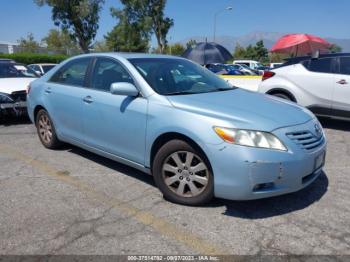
124 89
39 73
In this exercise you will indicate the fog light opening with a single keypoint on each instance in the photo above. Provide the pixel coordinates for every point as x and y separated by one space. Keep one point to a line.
263 187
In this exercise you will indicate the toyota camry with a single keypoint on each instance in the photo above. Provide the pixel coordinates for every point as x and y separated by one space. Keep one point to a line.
196 134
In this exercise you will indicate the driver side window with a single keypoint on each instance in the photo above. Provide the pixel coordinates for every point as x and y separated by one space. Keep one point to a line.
107 72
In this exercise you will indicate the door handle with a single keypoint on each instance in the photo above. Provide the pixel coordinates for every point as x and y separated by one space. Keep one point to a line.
88 99
342 82
48 90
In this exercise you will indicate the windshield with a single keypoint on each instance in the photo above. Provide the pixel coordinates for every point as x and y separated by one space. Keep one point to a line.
10 70
47 68
168 76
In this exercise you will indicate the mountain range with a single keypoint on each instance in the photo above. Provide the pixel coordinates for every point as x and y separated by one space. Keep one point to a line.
269 39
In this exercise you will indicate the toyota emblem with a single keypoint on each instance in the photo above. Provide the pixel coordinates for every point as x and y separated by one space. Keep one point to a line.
318 130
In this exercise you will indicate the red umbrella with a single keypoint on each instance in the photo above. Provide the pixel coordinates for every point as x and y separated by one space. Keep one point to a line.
299 44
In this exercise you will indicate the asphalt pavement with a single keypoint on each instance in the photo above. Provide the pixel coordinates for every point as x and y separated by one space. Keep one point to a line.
71 201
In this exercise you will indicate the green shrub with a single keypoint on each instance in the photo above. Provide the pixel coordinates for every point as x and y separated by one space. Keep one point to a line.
30 58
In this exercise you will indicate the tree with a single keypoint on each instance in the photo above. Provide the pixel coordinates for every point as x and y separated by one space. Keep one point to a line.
250 52
277 58
149 15
335 48
175 49
261 53
29 44
239 52
60 41
190 44
257 52
160 25
78 17
101 46
130 34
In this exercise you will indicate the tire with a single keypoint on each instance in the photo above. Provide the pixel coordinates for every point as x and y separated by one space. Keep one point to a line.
283 96
180 179
46 130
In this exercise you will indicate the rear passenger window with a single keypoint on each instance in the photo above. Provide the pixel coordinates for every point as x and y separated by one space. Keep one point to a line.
323 65
345 65
73 73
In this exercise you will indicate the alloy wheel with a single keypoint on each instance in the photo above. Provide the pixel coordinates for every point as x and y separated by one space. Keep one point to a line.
45 128
185 173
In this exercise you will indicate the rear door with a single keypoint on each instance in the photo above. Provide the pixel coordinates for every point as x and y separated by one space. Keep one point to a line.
317 81
341 98
63 98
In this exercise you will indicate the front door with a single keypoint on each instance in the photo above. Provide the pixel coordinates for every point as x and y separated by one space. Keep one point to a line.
341 98
114 123
317 80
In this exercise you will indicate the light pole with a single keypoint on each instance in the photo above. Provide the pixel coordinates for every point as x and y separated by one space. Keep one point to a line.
229 8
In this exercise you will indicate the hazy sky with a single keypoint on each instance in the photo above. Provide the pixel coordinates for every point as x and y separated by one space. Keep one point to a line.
196 18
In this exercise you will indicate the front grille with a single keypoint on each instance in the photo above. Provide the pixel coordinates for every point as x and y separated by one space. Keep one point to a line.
19 96
306 140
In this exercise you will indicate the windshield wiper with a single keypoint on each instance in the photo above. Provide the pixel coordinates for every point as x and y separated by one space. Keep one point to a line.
182 93
225 88
208 91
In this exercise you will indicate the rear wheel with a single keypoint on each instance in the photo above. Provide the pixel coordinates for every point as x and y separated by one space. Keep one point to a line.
183 174
46 130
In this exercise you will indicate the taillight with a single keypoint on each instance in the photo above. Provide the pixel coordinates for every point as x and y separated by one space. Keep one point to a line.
267 75
28 89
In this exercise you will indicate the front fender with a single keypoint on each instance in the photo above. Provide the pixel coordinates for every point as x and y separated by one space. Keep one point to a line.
164 119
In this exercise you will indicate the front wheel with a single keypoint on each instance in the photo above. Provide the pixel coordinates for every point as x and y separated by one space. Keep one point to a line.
183 174
46 130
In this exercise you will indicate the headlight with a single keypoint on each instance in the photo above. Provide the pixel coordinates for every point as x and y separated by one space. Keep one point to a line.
250 138
5 98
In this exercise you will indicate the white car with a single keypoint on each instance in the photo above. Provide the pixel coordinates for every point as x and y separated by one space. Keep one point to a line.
275 65
321 84
244 69
14 80
41 69
250 63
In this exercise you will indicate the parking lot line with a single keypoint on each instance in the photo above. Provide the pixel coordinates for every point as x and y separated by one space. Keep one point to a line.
165 228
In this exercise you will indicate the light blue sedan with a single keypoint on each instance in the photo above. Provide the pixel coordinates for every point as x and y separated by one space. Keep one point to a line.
199 136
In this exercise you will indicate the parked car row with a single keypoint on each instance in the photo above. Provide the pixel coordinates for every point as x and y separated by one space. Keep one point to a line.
14 81
232 69
241 67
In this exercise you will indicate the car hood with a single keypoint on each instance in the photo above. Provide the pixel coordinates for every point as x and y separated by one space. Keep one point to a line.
244 109
9 85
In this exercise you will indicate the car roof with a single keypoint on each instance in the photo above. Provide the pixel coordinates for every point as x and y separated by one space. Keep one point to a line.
246 60
298 59
44 64
6 60
129 55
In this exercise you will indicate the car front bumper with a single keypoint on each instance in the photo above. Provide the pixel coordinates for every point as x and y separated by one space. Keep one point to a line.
14 105
245 173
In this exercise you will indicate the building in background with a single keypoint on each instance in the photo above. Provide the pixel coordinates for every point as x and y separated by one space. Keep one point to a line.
7 47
